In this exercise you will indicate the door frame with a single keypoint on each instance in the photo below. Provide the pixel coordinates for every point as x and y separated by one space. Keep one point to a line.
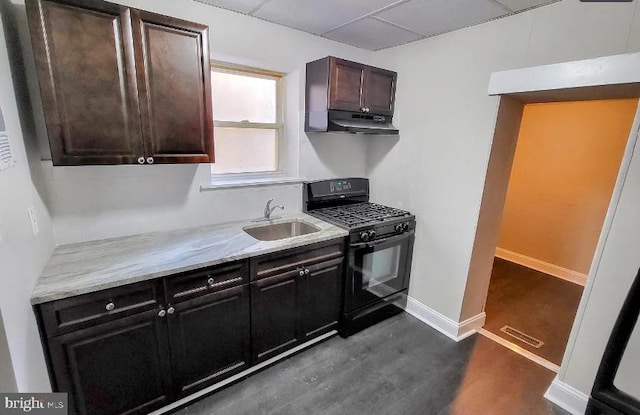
610 77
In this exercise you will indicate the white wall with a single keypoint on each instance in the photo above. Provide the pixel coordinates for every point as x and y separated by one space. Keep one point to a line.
438 167
614 274
22 255
446 120
96 202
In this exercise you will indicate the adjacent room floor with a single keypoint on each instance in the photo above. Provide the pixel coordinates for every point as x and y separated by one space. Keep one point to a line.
539 305
399 366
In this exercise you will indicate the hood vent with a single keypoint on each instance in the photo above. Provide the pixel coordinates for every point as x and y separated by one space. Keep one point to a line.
362 124
349 122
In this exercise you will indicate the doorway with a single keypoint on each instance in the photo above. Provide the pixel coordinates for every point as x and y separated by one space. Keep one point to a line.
564 171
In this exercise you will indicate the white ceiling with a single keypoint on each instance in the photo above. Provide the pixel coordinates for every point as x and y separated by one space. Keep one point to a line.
377 24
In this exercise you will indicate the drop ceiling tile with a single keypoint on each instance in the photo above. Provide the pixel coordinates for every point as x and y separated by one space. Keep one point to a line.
317 16
372 34
242 6
519 5
430 17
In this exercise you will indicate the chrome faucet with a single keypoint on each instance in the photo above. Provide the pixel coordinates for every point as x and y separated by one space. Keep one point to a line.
268 210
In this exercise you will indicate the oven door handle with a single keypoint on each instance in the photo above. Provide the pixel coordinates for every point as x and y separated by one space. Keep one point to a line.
384 241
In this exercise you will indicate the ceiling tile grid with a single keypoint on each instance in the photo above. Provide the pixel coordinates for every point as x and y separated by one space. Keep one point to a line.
377 24
242 6
520 5
372 34
317 16
430 17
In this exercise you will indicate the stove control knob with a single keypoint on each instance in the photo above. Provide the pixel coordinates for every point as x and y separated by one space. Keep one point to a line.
405 226
364 236
399 227
372 234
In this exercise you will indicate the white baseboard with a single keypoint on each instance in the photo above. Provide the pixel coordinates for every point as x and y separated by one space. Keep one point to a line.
551 269
567 397
450 328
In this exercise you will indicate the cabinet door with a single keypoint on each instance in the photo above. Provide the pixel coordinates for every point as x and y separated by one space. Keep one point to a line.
379 90
174 83
210 338
275 317
120 367
84 57
345 85
321 298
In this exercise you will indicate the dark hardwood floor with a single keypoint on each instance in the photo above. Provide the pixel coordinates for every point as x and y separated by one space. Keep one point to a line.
399 366
535 303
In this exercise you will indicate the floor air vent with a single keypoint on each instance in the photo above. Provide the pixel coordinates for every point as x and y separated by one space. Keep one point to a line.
525 338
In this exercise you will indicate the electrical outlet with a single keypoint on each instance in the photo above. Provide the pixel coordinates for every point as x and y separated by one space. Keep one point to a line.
34 221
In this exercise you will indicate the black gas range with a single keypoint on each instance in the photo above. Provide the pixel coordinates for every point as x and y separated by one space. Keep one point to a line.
380 249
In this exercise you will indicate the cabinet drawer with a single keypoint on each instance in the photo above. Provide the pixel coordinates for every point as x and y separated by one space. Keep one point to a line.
87 310
207 280
285 261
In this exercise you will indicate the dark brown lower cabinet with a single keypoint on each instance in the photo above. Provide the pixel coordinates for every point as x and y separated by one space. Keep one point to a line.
136 348
296 306
210 339
275 315
120 367
321 298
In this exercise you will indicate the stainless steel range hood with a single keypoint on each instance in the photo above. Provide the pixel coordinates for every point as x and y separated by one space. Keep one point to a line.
349 122
363 127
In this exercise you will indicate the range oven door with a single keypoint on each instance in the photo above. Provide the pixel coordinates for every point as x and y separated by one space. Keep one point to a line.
377 270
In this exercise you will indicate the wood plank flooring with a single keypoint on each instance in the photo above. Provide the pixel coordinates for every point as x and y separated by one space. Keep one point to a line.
535 303
399 366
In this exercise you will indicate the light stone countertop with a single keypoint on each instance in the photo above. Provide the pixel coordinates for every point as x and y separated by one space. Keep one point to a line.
97 265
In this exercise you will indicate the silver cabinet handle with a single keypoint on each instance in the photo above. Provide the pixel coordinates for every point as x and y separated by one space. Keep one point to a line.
306 271
162 313
110 307
149 160
171 310
140 160
301 273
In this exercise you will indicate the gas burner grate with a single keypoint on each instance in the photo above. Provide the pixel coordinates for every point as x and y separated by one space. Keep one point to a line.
360 214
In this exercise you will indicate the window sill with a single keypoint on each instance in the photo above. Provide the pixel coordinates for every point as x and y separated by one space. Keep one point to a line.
235 183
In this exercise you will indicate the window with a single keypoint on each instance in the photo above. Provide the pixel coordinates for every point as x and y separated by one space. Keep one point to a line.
247 112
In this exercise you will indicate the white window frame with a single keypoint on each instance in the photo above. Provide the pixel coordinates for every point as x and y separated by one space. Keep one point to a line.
229 179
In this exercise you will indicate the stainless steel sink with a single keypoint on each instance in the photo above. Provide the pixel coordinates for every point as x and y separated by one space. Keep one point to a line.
282 230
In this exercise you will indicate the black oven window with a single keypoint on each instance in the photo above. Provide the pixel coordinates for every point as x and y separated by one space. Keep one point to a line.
380 270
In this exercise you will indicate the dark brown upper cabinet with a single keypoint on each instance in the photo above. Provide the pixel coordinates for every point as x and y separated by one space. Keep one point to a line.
346 85
338 84
121 85
174 84
379 90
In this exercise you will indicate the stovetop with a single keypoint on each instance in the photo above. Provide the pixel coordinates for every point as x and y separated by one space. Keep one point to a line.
357 215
